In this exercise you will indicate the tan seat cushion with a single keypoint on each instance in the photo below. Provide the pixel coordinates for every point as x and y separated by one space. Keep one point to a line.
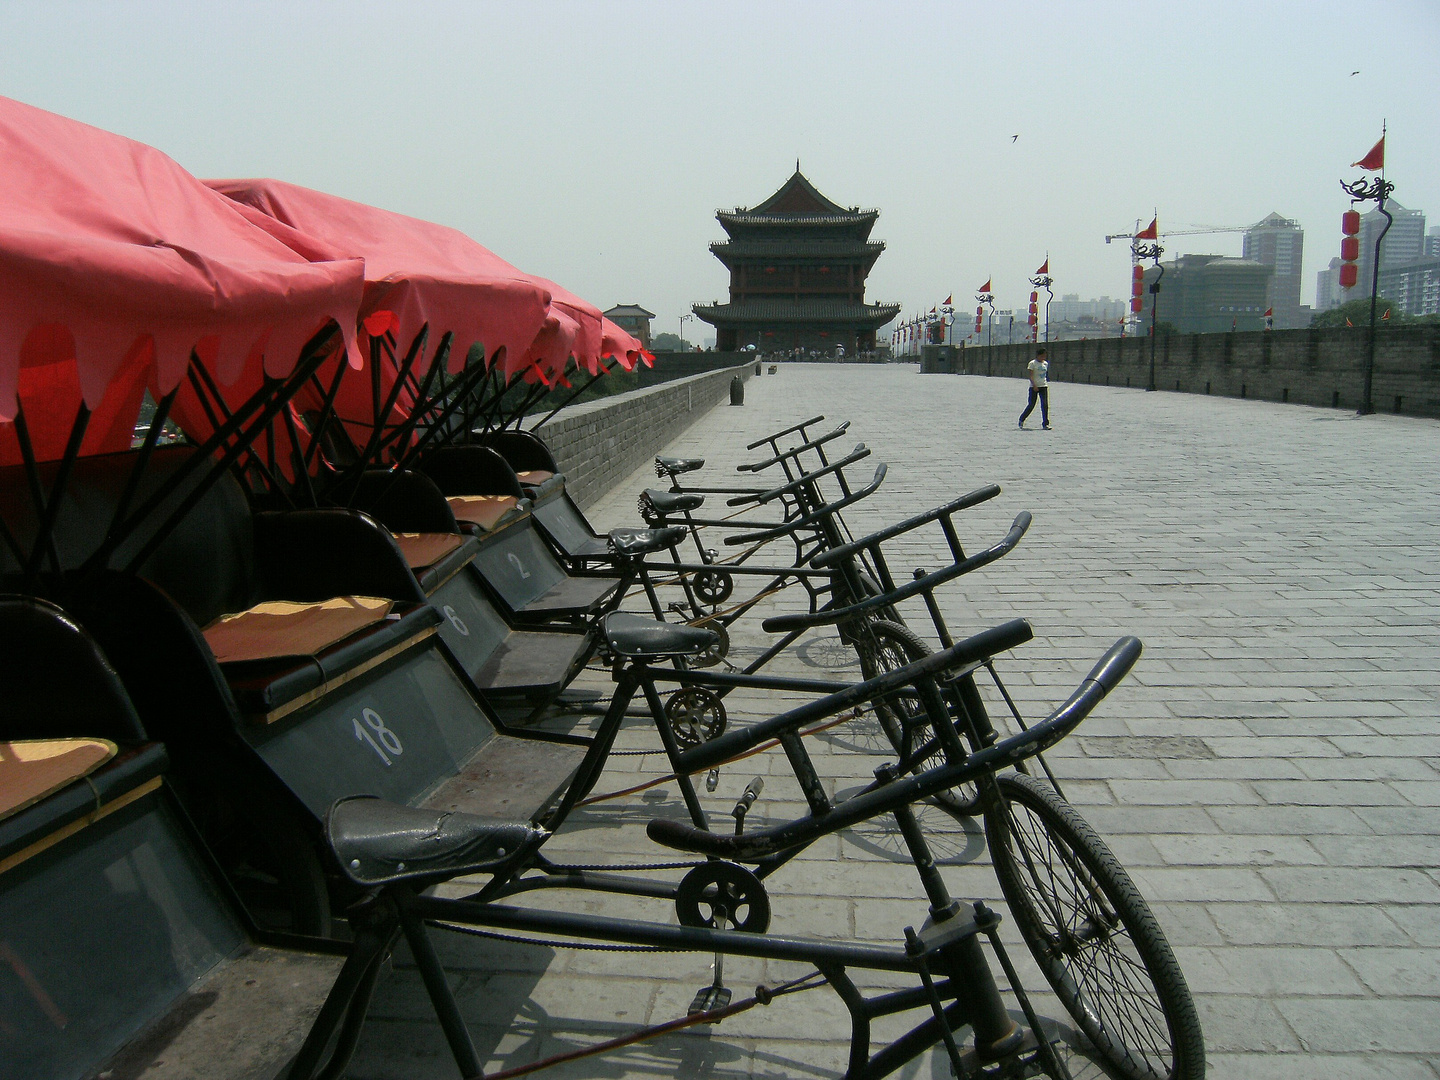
34 768
426 549
282 628
534 476
482 510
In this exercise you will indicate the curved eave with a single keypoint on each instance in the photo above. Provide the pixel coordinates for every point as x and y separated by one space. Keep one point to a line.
871 316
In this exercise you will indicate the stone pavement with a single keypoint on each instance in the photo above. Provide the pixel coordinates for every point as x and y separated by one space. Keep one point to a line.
1267 773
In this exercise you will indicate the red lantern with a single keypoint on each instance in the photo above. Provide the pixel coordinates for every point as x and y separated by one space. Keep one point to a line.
1136 304
1349 274
979 310
1034 319
977 326
1137 288
1139 272
1350 223
1034 296
1349 248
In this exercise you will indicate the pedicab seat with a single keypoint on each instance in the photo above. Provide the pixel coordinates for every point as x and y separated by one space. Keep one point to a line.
679 464
673 502
378 842
485 513
268 687
31 769
641 637
435 557
631 543
535 477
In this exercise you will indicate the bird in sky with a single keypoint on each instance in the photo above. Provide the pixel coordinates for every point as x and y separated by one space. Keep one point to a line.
1014 137
1354 73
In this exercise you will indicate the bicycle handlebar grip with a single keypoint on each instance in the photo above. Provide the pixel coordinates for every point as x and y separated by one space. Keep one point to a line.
964 502
781 434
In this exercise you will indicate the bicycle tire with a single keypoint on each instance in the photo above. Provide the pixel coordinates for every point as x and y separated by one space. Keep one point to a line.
887 646
1122 985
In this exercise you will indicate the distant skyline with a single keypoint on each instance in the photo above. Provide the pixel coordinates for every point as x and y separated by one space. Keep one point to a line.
592 143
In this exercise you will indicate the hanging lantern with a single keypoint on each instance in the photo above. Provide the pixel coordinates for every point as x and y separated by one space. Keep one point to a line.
1034 308
1139 273
1349 248
1034 296
1350 223
1349 274
1136 304
1137 288
979 310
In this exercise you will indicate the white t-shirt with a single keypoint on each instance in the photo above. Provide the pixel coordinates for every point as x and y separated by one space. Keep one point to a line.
1038 369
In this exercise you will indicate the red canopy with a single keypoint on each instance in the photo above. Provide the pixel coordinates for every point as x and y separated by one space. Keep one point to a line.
115 263
423 272
620 344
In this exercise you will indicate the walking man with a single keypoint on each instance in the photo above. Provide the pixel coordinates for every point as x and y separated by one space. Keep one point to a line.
1038 369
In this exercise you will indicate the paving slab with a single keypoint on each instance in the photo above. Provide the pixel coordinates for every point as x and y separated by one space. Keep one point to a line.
1269 773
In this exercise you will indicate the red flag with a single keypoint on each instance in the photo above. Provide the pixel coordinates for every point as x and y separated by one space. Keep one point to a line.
986 286
1045 266
1374 160
932 311
1150 232
1348 322
1269 312
949 299
1387 314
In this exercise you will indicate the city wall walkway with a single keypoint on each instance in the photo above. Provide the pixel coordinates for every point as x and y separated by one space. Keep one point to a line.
1268 773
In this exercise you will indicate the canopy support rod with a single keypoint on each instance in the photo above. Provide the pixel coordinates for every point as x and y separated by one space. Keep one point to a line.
312 356
369 456
32 478
52 506
406 429
152 439
200 380
437 428
297 459
327 409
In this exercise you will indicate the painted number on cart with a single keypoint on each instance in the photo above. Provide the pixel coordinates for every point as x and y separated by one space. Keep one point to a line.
455 620
381 739
515 562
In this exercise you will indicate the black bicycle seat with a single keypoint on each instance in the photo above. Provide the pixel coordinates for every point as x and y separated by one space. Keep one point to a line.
631 543
676 465
377 842
641 637
673 502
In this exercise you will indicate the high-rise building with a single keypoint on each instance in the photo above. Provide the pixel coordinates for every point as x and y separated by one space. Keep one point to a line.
1414 286
1403 243
1209 294
1279 243
1327 287
1432 243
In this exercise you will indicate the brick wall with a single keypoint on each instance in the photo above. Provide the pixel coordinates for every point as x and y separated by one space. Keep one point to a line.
1307 367
599 443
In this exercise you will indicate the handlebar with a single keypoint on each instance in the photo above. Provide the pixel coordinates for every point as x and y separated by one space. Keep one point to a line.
788 431
970 651
795 451
860 451
809 519
883 798
964 502
777 624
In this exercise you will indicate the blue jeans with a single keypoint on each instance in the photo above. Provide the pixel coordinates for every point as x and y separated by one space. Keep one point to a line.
1043 394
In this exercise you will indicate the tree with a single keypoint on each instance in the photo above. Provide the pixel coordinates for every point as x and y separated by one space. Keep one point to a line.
1358 312
666 343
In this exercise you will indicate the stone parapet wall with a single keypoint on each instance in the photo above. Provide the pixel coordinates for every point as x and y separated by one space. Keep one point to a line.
599 443
1325 367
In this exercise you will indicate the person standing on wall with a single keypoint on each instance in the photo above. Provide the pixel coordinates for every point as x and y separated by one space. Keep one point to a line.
1038 370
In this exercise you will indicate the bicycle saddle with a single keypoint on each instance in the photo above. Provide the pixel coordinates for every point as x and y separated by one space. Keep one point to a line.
677 465
630 543
673 502
379 842
639 636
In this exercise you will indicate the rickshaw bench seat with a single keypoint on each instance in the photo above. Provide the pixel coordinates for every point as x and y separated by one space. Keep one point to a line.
33 769
679 464
641 637
568 596
673 502
484 513
267 689
379 842
534 477
436 557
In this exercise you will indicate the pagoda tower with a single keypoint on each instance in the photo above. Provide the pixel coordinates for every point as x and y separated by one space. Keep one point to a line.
798 264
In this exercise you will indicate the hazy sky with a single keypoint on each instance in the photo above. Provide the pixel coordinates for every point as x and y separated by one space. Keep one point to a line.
592 142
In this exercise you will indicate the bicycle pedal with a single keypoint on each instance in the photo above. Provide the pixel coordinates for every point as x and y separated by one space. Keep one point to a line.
712 779
677 607
708 998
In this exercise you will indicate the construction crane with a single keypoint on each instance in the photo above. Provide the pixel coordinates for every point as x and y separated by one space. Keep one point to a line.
1198 231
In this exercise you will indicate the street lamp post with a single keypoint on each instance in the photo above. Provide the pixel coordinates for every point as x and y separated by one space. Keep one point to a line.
1139 252
1376 190
683 320
1043 280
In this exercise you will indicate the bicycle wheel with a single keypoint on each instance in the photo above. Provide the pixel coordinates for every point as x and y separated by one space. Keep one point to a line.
886 646
1092 934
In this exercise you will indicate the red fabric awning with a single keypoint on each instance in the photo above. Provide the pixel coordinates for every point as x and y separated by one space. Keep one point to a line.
115 263
423 272
619 344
